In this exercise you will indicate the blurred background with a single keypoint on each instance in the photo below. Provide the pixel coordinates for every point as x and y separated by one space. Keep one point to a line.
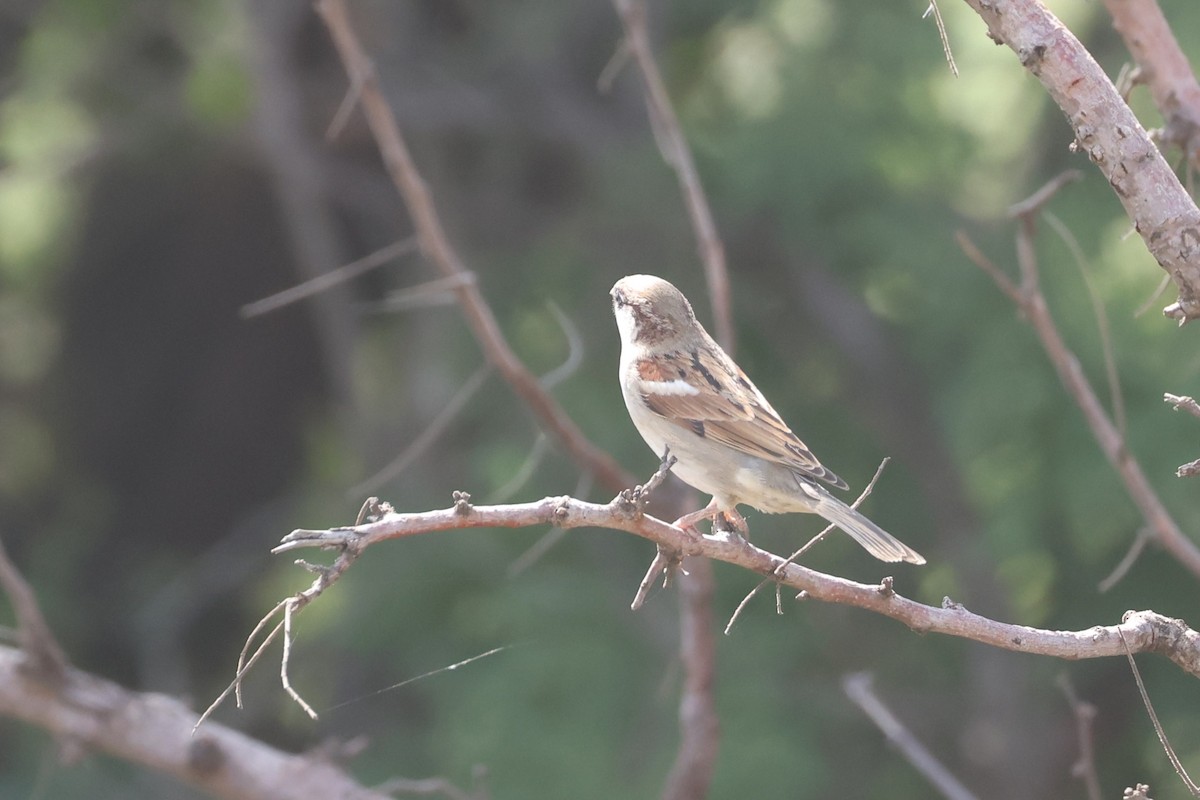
164 163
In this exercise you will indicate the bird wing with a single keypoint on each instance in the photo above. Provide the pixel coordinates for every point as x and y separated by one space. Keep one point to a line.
713 398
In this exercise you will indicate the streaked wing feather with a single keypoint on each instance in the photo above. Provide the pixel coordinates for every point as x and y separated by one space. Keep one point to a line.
728 409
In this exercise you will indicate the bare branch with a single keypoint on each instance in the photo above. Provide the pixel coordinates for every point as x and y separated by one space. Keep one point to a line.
1124 565
1085 715
1164 69
287 657
857 687
1183 402
1158 728
679 157
1116 396
665 562
1032 303
329 279
1107 130
425 787
1034 203
156 731
45 659
941 29
428 435
437 248
1146 631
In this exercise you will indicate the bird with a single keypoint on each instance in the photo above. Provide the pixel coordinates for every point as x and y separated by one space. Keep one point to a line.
686 396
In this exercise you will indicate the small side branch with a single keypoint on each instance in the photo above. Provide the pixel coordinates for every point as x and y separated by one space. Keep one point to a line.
45 658
1029 299
858 688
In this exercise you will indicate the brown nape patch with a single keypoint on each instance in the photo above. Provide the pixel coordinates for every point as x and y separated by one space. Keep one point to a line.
650 328
697 426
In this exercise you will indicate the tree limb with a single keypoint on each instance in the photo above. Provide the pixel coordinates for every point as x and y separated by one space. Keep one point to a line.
1164 69
156 731
1145 631
1106 129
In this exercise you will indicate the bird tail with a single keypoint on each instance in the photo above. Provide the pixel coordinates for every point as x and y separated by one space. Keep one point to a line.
875 539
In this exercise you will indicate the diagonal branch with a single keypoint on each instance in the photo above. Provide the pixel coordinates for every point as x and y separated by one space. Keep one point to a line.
1164 69
1107 130
45 658
437 248
678 155
1029 299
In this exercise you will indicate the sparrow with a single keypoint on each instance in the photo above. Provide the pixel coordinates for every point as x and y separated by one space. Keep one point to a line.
685 394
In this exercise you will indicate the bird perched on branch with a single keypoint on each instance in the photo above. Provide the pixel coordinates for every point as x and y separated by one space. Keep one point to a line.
685 393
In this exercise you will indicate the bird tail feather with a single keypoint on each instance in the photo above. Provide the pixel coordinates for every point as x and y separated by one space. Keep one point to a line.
875 539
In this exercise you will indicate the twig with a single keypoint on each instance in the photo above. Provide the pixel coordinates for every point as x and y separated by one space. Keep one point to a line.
1163 282
866 492
424 787
1116 396
1188 470
44 656
1032 303
428 435
1124 565
437 248
1183 403
678 156
1033 204
1106 129
1085 716
436 292
244 664
574 359
665 560
350 548
1158 728
857 687
287 657
941 29
329 279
